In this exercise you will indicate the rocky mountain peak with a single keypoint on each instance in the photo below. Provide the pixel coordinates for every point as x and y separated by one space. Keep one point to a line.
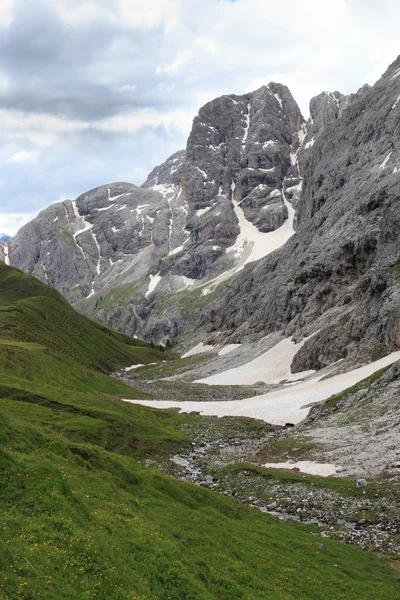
324 109
252 172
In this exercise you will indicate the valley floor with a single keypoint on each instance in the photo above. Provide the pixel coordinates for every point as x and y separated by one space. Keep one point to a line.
235 451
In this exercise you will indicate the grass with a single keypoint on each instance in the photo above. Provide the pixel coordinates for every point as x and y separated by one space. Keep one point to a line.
65 236
117 296
295 446
81 517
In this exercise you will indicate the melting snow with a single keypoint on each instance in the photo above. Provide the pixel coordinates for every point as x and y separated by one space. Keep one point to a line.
202 172
286 405
246 129
154 281
105 208
199 349
271 367
279 100
201 211
383 165
306 466
309 144
396 103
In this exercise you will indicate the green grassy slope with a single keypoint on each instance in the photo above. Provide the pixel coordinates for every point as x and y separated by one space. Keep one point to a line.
81 517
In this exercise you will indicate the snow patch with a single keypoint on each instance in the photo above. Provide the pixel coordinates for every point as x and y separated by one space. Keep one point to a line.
396 74
202 172
154 281
164 189
396 103
118 195
252 243
285 405
306 466
247 125
272 366
199 349
105 208
201 211
279 100
383 165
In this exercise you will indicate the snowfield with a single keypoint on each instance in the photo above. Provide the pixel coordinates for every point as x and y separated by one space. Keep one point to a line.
287 405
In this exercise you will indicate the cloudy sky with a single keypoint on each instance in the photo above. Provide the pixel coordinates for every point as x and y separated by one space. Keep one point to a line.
95 91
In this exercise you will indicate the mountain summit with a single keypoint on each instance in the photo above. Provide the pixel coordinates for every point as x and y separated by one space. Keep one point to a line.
209 225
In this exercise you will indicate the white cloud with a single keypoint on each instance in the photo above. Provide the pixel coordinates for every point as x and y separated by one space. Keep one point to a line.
176 66
151 13
6 12
125 77
134 121
85 12
10 223
23 156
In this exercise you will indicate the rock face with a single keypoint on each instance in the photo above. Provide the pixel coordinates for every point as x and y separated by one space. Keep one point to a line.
76 245
241 150
200 216
340 273
147 259
363 442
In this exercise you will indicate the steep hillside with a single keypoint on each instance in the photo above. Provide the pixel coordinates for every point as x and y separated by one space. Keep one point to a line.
198 219
339 273
82 517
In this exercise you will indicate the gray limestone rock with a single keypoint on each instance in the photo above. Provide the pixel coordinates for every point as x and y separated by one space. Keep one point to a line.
339 273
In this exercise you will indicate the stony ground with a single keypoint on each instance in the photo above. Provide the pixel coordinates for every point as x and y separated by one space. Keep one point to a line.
366 516
227 453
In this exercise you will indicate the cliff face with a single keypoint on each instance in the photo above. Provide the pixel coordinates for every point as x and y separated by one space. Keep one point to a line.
200 216
301 219
241 150
339 273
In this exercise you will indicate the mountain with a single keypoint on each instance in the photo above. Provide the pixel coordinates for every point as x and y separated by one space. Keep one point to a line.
198 218
4 237
264 223
79 505
338 276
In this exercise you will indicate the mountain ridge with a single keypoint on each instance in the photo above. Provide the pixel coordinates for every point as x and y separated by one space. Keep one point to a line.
200 217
